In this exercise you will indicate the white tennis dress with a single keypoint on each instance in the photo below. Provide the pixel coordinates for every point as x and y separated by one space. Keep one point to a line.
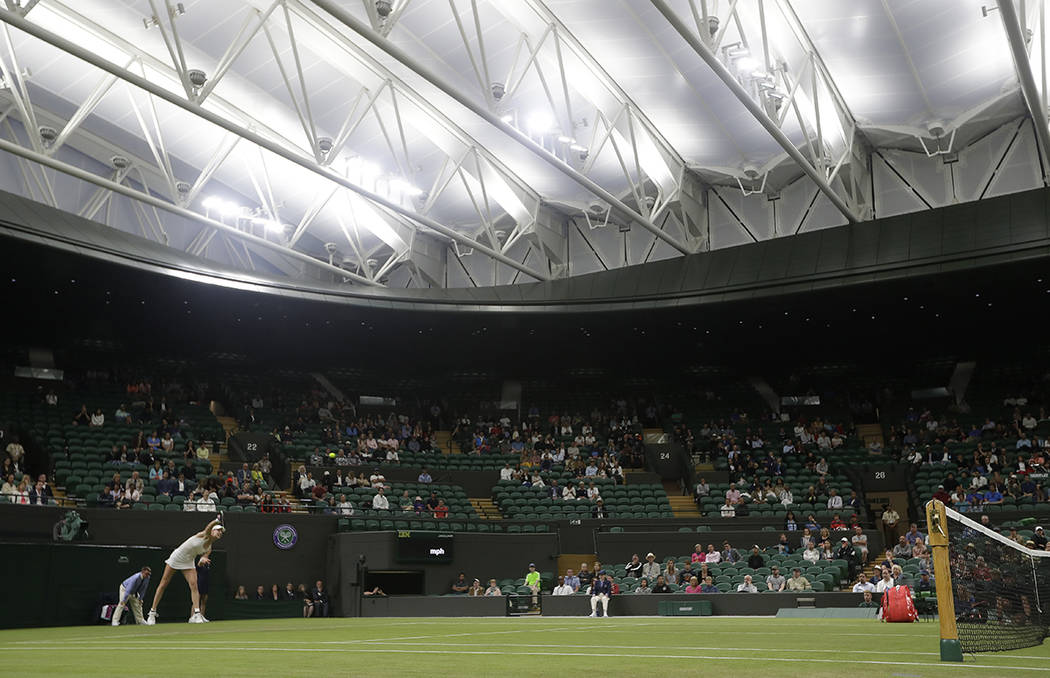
184 557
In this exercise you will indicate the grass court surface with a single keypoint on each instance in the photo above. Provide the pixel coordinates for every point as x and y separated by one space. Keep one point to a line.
504 647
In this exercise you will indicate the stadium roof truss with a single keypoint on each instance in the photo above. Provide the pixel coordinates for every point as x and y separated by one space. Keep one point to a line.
466 143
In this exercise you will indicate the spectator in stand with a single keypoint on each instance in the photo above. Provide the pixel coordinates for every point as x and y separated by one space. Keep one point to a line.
901 549
868 602
241 594
755 559
21 494
693 586
424 477
441 510
563 589
698 554
834 500
643 587
460 586
712 557
319 597
9 490
728 510
783 547
98 419
40 493
863 584
776 581
797 582
599 512
708 586
585 576
476 590
701 491
670 572
571 580
730 555
886 582
651 569
747 586
860 541
1039 538
379 501
493 589
83 417
15 452
811 554
634 568
344 508
661 585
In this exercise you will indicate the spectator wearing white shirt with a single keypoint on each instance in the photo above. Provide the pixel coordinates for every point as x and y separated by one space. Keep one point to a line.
380 502
747 586
712 557
834 500
811 554
886 582
727 510
562 589
98 419
863 584
344 507
505 473
1029 422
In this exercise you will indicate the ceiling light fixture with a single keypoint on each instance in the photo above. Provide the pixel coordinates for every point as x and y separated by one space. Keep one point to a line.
540 123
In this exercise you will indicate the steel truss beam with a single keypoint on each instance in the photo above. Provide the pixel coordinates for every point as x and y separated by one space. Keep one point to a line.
294 156
1033 99
816 166
148 199
364 30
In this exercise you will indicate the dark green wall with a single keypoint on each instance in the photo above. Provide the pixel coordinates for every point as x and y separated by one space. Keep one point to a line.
61 584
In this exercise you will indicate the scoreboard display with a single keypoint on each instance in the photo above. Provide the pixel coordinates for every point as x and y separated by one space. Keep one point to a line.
414 546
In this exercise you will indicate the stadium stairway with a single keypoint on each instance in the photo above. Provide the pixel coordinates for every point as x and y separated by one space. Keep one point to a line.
443 441
486 509
229 425
683 506
870 432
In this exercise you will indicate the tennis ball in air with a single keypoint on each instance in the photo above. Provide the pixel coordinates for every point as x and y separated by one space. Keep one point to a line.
331 455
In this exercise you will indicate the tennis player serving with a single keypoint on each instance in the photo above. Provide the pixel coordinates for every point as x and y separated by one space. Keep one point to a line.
183 559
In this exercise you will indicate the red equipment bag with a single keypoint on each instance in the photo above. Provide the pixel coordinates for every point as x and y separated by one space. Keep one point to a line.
897 605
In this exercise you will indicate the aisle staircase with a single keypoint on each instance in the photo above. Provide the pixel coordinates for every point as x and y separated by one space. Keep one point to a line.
870 432
683 506
486 509
442 442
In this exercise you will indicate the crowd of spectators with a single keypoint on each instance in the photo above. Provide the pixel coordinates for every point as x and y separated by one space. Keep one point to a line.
316 600
740 440
987 463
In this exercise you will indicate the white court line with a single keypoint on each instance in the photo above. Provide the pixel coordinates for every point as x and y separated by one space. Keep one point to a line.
394 641
807 660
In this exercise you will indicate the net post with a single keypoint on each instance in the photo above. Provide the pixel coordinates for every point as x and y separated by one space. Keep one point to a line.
937 526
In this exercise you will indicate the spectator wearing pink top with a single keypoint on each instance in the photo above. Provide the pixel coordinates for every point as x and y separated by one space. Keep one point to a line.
698 554
693 586
732 495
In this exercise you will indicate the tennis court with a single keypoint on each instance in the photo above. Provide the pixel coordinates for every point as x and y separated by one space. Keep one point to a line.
656 646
